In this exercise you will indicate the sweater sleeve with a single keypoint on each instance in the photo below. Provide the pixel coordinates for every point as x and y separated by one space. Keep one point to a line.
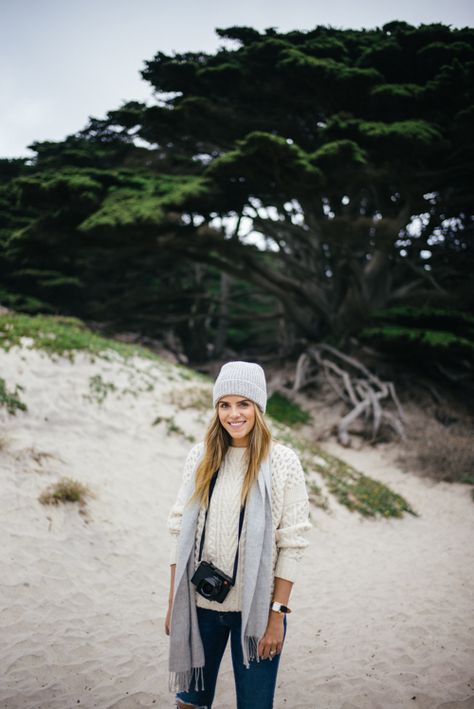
292 531
176 512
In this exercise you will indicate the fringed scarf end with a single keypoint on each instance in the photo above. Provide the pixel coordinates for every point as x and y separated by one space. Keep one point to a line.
181 681
250 649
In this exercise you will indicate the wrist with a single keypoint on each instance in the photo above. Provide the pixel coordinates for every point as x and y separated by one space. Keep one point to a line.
276 618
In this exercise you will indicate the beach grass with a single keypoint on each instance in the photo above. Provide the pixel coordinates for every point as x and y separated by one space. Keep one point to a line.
173 428
64 336
192 397
10 399
351 487
99 388
65 490
359 492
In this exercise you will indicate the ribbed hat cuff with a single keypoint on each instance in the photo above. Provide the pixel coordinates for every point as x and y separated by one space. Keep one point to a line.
241 387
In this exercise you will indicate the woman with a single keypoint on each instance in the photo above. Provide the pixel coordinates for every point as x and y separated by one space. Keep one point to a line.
238 526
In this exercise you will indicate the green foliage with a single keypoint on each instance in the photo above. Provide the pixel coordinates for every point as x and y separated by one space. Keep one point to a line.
439 328
327 47
142 201
61 335
432 57
342 151
281 409
407 135
10 400
244 35
191 397
173 428
47 278
394 101
266 164
359 492
398 138
425 335
385 55
99 388
326 71
397 91
356 491
50 189
428 316
326 142
65 336
23 302
430 339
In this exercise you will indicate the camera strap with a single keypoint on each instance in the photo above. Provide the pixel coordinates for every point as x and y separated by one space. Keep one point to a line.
241 524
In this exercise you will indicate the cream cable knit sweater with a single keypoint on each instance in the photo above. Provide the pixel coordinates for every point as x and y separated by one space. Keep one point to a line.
290 512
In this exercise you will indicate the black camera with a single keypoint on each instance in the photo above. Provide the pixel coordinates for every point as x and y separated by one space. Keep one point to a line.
212 583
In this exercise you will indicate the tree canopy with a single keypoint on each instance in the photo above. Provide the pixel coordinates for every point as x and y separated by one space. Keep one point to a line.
290 187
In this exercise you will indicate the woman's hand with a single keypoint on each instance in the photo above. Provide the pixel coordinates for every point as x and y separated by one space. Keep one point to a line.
168 618
272 641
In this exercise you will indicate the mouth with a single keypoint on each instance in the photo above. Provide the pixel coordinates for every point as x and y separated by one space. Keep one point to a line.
237 424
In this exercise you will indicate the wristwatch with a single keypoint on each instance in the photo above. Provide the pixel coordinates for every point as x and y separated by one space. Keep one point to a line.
279 607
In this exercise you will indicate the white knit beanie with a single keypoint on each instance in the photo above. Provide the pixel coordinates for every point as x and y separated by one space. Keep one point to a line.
244 379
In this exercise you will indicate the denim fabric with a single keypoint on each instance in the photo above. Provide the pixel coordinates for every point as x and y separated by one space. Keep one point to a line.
254 686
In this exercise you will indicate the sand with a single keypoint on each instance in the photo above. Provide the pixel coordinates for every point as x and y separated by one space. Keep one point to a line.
383 610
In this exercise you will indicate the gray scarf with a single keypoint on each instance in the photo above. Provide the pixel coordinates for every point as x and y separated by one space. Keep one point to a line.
186 656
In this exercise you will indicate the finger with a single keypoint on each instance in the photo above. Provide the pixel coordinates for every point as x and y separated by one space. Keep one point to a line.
272 652
269 653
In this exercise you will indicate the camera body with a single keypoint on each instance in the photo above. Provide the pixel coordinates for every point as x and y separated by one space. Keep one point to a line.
212 583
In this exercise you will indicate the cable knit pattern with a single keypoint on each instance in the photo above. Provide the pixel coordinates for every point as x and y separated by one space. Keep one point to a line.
290 512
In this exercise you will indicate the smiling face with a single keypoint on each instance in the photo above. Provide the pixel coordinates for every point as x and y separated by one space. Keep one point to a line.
237 416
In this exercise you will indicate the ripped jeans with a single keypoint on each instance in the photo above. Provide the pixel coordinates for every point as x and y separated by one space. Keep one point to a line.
254 686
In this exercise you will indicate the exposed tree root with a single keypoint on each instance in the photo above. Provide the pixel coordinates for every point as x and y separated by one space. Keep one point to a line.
365 393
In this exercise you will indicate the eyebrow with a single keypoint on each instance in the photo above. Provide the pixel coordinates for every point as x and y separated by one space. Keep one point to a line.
224 401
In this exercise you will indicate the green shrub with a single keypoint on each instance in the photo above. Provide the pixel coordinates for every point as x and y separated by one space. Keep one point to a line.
280 408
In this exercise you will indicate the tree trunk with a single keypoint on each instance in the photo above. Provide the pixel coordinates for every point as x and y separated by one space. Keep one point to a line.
223 315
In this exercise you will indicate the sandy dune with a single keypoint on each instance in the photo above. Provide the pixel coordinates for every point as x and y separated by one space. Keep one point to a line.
383 610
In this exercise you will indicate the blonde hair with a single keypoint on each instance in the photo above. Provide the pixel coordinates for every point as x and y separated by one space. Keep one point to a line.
217 442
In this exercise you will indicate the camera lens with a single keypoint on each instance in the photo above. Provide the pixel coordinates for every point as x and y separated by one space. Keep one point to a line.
209 586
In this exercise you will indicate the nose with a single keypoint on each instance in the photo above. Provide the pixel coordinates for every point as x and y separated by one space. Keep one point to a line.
234 413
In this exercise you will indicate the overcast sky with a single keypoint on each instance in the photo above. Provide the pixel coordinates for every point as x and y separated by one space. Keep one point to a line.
65 60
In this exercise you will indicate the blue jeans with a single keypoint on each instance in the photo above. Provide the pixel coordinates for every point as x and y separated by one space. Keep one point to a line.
254 686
